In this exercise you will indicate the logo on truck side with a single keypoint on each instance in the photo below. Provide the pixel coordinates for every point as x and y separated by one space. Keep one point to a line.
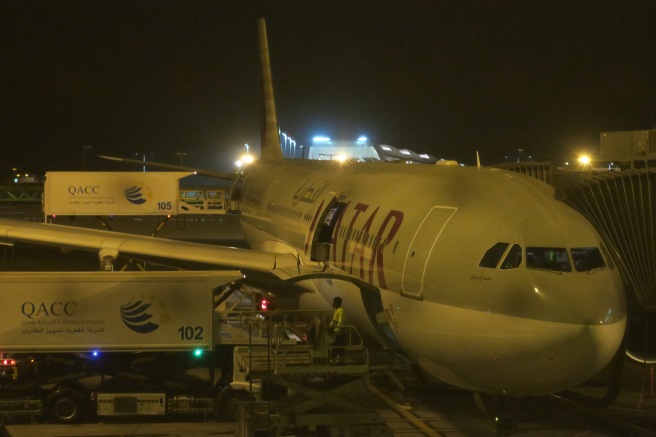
41 309
136 318
134 195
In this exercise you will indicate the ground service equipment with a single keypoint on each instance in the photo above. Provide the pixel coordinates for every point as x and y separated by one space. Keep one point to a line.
77 345
130 342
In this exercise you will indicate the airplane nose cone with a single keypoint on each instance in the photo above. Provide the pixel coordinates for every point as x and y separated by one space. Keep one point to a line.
567 354
544 333
523 357
575 324
582 332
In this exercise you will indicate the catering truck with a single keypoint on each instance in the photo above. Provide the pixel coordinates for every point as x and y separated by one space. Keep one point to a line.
126 343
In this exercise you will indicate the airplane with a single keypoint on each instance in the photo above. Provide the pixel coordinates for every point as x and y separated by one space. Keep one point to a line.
477 275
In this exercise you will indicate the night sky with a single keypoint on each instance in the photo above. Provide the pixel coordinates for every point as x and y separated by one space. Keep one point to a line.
448 78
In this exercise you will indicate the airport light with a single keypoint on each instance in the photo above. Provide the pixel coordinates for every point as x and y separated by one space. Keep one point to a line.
584 160
362 139
288 145
284 143
244 161
321 139
341 158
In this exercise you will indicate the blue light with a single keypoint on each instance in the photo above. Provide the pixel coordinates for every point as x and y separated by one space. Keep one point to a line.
321 139
95 354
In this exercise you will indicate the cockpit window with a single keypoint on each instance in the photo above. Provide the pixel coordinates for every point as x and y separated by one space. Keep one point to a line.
548 258
587 258
493 255
513 259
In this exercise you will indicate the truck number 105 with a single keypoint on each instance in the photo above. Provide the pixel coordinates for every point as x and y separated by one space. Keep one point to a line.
191 332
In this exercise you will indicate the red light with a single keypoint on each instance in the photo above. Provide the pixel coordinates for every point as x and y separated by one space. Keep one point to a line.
264 304
8 362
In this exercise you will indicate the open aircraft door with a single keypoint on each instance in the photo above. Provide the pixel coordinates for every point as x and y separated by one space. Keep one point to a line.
422 245
320 248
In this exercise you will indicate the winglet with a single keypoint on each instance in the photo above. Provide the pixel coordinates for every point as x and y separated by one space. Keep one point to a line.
270 138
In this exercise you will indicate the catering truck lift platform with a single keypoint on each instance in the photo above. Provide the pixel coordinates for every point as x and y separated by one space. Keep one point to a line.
306 388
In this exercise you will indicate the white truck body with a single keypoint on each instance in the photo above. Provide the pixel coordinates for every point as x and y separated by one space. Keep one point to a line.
112 193
109 311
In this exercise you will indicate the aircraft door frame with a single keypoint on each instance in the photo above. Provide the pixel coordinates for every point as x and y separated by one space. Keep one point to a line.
421 248
323 232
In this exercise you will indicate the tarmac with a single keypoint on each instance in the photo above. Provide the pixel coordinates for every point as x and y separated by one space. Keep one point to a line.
132 429
431 410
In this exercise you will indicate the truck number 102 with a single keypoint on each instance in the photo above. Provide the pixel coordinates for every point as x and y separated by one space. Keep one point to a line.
191 332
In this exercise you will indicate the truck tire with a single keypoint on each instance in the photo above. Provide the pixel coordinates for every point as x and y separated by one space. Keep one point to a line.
227 403
66 406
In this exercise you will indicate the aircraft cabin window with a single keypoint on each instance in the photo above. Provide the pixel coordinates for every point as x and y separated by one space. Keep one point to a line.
513 259
548 258
587 258
493 255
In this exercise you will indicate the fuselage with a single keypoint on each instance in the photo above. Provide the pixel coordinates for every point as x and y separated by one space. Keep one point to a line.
481 276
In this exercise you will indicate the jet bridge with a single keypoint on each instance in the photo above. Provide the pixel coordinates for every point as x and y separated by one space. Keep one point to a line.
622 206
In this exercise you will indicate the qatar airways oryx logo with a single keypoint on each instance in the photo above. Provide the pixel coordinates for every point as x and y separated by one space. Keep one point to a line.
135 194
136 318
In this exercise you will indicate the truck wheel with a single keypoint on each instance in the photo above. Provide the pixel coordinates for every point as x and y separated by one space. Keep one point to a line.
66 407
228 403
233 401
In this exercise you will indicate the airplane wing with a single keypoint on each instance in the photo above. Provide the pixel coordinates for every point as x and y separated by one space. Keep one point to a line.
138 245
210 173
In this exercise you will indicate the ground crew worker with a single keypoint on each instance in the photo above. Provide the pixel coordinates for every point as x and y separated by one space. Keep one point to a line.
336 326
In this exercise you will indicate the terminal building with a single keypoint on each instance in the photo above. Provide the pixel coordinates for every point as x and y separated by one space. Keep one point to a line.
361 150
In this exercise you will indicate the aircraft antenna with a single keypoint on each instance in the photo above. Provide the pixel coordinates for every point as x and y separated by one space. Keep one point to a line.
270 138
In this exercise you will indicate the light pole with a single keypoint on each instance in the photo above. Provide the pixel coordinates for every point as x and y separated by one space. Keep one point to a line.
284 144
143 159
